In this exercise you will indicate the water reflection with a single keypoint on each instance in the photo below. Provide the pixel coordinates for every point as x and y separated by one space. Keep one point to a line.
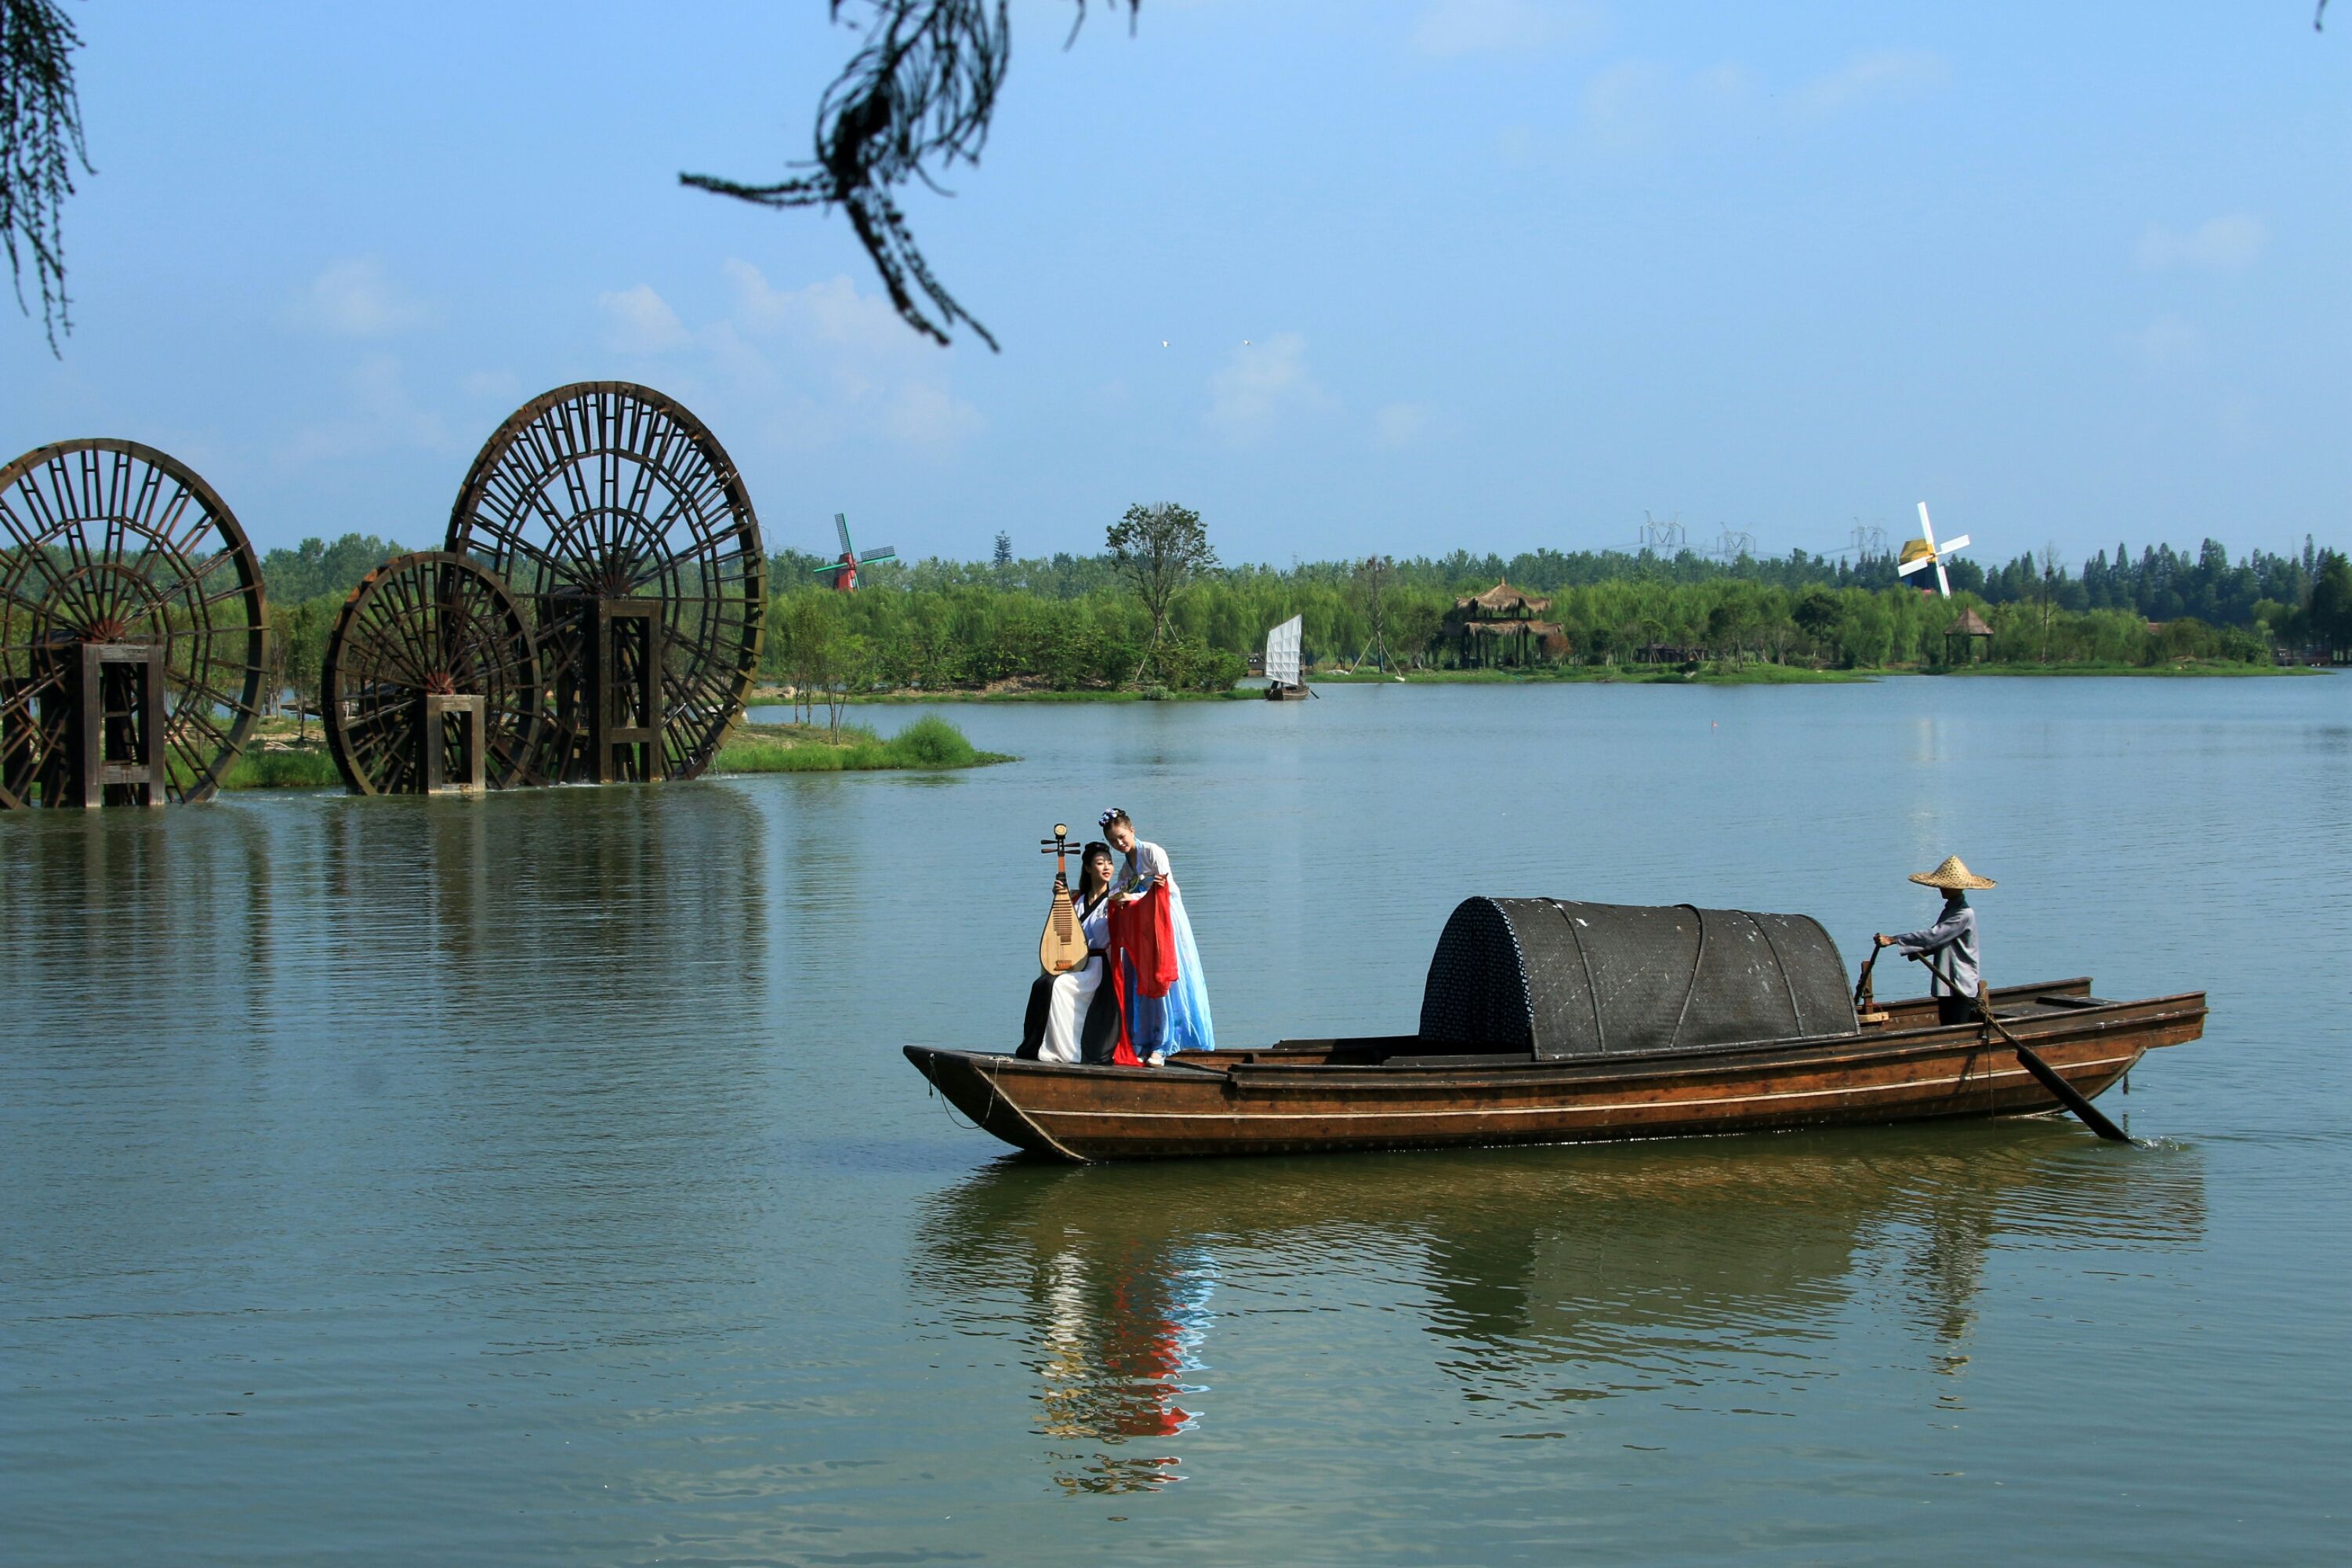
127 921
608 908
1710 1273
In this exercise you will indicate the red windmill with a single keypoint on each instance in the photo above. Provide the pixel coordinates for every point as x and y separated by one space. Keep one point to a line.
844 570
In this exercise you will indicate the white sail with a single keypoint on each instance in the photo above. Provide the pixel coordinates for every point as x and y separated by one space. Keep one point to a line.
1282 654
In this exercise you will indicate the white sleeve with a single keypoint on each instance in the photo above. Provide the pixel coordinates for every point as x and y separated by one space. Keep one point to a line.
1150 860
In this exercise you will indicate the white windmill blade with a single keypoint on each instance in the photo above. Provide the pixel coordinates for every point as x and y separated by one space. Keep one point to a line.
841 526
1926 529
1919 565
1943 582
1959 543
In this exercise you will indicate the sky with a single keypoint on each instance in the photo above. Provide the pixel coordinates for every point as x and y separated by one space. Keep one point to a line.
1344 278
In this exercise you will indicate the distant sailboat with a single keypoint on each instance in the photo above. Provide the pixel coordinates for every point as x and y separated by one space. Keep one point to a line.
1285 680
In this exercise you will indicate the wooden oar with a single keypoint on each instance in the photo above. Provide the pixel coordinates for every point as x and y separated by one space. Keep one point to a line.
2068 1095
1865 1006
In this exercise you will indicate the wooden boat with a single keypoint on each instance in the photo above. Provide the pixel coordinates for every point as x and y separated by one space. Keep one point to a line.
1285 679
1549 1021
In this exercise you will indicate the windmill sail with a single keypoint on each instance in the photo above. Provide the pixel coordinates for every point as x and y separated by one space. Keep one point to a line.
1282 653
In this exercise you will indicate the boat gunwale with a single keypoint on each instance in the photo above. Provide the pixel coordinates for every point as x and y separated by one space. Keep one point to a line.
1868 1045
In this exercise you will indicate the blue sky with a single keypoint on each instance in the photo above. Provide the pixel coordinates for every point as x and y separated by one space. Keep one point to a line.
1488 273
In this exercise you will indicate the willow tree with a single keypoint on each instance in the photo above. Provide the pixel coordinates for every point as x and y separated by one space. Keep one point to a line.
40 142
913 102
1158 549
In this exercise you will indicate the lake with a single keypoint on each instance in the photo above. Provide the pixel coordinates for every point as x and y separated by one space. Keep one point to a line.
537 1179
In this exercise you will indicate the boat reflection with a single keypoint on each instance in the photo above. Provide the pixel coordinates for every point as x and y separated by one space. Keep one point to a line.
1717 1272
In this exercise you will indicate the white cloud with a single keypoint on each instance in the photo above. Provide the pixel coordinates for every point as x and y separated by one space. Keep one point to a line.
816 365
1404 424
2228 244
355 299
2167 343
492 385
925 413
378 415
1261 384
1636 104
1452 28
1639 104
1877 76
639 322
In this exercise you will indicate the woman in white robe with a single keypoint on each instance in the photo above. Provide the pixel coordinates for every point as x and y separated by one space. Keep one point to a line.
1162 1025
1061 1035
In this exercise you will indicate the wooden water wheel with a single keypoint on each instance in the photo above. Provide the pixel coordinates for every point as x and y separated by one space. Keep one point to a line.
432 680
618 516
132 628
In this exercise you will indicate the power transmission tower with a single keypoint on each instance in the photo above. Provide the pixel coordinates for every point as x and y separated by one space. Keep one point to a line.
1869 540
1732 543
1662 538
1374 573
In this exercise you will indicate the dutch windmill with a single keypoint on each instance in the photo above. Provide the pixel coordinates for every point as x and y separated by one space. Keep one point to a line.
1920 553
844 570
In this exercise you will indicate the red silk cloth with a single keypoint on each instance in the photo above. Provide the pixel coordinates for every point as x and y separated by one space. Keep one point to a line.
1144 932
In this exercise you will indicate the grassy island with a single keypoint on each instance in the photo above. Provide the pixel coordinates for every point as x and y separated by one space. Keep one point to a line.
281 756
930 745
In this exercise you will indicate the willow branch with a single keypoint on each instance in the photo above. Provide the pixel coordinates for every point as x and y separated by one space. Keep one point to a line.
913 101
40 141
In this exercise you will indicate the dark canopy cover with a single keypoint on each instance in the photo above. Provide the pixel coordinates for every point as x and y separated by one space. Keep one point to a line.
1578 980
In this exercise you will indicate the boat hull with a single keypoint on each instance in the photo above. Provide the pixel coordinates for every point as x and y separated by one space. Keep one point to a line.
1305 1097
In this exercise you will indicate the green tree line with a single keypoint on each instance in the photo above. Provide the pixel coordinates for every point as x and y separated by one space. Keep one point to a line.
1076 622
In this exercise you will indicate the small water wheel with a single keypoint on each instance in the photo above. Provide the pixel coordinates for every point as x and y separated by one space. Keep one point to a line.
132 629
432 680
620 517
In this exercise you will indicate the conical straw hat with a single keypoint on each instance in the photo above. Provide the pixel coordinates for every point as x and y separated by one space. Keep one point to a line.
1950 874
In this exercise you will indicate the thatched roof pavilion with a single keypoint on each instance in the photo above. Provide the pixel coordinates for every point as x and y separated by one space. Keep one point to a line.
1500 602
1969 630
1499 628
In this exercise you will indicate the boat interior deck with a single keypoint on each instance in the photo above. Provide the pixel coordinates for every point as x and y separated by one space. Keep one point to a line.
2011 1004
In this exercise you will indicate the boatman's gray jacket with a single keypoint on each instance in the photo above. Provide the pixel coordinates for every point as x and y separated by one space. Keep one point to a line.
1948 948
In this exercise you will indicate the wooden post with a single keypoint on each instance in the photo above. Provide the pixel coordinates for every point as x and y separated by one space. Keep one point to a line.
625 695
115 747
434 708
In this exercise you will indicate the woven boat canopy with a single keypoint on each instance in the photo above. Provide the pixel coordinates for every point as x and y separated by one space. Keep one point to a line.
1563 979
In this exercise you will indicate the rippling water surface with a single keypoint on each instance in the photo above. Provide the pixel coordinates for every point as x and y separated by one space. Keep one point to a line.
537 1179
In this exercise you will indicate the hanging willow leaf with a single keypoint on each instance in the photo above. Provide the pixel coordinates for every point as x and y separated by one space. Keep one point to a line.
915 100
40 141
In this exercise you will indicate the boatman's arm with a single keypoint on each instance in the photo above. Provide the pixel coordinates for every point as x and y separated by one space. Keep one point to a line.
1918 943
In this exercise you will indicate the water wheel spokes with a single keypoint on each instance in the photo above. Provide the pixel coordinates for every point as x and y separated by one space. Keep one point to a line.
619 516
432 657
108 551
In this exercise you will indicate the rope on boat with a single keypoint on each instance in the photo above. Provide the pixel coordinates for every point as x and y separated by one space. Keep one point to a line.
949 1106
996 1098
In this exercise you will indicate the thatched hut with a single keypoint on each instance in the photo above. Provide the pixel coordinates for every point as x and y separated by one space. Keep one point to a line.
1499 629
1970 631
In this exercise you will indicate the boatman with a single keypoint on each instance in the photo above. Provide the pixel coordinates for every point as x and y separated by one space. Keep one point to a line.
1948 948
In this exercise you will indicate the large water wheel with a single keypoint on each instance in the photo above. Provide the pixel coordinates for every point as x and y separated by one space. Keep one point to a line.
132 629
432 680
619 519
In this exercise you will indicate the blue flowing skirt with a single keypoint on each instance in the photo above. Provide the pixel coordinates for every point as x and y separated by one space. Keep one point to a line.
1179 1020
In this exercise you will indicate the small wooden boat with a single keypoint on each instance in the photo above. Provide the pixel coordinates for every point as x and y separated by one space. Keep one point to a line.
1549 1021
1285 681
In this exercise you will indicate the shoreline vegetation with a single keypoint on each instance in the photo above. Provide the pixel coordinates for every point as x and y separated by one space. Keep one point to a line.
278 757
1540 675
1156 617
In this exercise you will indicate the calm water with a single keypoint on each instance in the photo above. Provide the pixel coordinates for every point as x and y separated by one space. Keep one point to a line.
537 1179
